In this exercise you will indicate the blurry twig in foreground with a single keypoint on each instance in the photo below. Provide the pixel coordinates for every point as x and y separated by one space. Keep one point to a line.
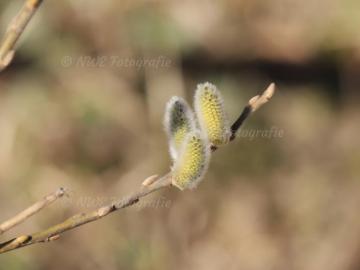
33 209
14 31
150 185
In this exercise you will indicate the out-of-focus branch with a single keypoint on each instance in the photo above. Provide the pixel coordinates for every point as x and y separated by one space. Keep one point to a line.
14 31
33 209
151 184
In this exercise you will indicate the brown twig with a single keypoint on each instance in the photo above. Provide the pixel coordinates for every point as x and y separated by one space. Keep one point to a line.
254 104
14 31
152 184
83 218
33 209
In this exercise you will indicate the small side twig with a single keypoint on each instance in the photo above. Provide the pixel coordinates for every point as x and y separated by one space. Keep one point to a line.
152 184
33 209
254 104
14 31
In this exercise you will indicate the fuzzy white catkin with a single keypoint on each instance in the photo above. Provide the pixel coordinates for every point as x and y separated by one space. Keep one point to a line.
178 122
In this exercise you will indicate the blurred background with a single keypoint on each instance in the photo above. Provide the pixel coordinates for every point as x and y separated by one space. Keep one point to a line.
81 107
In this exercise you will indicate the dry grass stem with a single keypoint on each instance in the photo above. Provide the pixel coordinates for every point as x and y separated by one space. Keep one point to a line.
14 31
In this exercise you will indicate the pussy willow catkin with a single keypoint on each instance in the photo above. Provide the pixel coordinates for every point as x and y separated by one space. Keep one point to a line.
210 112
192 163
178 122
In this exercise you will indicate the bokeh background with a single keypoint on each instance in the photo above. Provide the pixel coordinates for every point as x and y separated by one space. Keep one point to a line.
82 109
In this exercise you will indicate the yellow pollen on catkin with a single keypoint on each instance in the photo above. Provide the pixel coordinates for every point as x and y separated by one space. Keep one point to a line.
192 162
209 108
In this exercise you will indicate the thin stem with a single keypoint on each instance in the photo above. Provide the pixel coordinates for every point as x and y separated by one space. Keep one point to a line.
238 123
14 31
254 104
148 187
33 209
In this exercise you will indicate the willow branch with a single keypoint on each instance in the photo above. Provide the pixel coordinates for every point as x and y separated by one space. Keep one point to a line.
14 31
54 232
33 209
150 185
